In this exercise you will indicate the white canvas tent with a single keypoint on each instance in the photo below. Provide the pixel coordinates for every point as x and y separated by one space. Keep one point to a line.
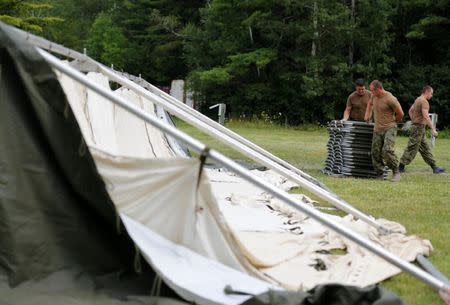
114 162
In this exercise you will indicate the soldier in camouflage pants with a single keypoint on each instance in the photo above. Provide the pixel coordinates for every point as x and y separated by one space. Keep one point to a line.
417 143
387 112
383 150
420 119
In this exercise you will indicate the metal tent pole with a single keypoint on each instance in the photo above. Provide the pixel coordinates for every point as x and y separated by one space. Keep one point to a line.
304 182
219 127
228 163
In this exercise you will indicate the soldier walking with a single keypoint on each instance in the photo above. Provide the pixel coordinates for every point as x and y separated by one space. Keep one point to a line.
420 119
387 113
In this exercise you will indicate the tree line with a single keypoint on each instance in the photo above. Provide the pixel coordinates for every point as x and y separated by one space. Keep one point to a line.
290 61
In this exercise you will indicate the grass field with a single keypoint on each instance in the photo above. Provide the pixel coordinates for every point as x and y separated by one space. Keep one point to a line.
420 202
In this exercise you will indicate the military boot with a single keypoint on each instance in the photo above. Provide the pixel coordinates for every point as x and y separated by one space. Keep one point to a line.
396 176
438 170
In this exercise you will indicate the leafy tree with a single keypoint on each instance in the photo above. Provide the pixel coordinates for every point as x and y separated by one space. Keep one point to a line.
78 18
373 39
292 61
28 15
271 57
422 46
106 42
153 29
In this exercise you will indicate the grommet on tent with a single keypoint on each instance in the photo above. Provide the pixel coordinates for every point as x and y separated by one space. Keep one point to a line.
203 156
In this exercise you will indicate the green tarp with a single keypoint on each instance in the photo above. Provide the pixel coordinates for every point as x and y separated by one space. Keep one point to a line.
60 237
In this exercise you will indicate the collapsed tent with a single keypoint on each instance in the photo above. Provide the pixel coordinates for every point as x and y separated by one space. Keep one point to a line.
168 206
268 246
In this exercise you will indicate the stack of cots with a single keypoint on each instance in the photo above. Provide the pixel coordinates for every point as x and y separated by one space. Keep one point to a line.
349 149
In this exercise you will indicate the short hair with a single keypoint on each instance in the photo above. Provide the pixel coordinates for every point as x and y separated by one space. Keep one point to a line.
359 82
426 88
376 84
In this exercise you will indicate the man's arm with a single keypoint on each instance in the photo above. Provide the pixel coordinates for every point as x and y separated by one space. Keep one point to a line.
368 112
411 111
398 113
347 111
426 115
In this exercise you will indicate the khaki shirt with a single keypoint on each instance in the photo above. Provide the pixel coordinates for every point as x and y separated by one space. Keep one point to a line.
417 116
358 104
383 109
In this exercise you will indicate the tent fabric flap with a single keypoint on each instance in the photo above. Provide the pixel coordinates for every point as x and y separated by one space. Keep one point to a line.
165 196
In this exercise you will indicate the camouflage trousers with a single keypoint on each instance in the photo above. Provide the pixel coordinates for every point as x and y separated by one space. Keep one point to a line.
383 150
417 143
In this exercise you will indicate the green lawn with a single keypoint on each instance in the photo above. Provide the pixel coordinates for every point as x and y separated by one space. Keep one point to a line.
421 201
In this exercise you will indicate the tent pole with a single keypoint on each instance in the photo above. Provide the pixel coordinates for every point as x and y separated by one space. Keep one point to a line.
220 127
302 181
432 281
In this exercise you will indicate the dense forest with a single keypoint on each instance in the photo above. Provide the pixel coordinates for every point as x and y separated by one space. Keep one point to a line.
288 61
